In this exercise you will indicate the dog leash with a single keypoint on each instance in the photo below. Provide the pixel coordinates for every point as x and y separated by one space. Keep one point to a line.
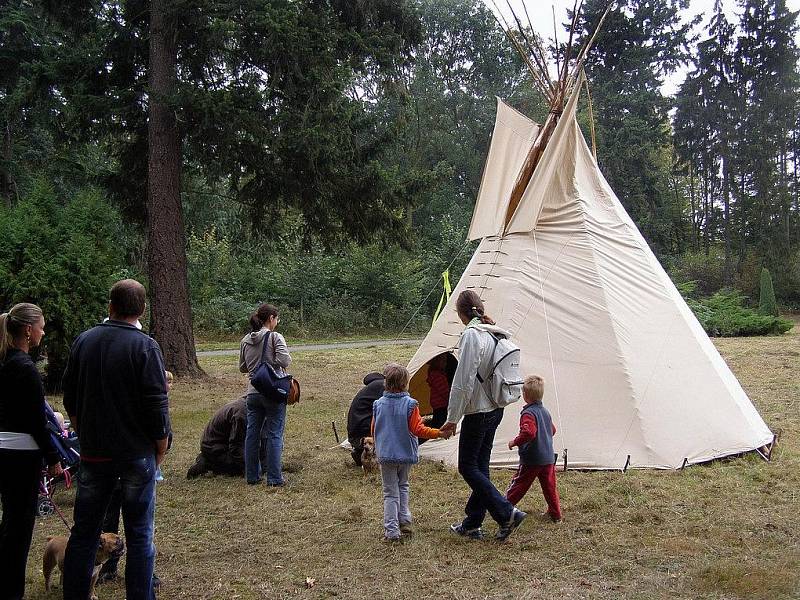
63 518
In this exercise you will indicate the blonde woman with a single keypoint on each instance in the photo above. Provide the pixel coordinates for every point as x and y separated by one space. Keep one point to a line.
24 440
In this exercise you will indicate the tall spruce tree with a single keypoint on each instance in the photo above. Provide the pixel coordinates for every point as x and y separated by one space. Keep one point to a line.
639 44
705 134
254 95
769 83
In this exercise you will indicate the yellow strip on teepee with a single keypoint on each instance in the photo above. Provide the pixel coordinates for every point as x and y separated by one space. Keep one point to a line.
445 295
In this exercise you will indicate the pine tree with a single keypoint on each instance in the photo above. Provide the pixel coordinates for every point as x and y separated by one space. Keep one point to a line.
254 97
768 76
639 44
766 302
705 133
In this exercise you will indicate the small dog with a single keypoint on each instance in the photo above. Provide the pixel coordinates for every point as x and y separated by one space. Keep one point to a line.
111 545
368 460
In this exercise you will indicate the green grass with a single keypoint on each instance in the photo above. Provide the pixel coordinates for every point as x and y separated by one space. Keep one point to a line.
726 530
231 343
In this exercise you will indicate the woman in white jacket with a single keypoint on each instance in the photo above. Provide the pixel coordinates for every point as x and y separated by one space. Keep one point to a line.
469 400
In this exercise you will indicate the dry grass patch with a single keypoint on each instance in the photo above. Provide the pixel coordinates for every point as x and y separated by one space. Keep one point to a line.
723 530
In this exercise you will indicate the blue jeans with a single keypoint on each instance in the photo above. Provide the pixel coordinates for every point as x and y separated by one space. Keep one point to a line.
474 452
96 482
270 417
395 498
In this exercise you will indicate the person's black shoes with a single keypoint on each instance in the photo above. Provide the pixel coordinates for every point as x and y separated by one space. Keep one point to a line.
472 534
517 517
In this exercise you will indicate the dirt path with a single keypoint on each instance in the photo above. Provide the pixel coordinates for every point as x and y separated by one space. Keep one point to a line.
335 346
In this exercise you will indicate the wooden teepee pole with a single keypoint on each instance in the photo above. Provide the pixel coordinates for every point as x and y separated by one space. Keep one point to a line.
525 174
565 85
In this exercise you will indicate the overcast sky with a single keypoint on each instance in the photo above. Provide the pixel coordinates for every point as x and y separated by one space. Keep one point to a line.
541 13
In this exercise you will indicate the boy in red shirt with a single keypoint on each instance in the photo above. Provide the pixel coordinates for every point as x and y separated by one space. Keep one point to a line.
535 443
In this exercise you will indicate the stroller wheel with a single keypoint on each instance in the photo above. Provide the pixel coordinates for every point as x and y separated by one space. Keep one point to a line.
45 507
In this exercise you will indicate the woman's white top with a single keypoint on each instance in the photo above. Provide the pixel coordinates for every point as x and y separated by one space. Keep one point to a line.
11 440
467 395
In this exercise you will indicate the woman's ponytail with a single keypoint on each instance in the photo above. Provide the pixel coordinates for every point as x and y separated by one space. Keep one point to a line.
5 337
470 305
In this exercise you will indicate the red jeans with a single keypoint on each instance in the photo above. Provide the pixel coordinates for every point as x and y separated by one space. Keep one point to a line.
523 479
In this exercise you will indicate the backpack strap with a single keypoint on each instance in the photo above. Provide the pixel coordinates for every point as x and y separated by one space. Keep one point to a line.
264 347
496 341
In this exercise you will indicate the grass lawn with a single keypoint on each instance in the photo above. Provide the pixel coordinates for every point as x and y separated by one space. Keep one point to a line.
729 529
232 342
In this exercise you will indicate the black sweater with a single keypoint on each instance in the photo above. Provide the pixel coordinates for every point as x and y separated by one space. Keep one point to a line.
115 390
359 417
22 401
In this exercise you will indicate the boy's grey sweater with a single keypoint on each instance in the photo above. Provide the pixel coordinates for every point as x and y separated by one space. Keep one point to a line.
250 354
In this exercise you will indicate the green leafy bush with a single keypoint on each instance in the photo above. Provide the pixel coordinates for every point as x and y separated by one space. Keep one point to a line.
61 253
724 315
359 289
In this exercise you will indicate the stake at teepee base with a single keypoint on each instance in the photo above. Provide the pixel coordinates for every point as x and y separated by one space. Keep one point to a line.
631 376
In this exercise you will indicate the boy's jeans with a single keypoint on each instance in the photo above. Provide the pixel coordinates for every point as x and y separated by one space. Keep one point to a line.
395 498
96 482
474 451
270 415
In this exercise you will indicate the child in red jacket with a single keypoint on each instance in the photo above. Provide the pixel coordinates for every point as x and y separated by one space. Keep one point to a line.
440 389
535 443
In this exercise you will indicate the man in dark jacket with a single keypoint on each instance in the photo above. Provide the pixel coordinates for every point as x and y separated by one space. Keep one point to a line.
359 416
115 392
222 444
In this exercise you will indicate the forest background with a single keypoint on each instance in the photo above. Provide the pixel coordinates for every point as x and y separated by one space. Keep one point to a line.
325 156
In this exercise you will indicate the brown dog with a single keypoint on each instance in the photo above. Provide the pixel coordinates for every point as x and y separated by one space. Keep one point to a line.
110 545
368 460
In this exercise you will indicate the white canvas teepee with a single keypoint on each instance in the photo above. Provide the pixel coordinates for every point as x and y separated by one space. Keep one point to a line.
631 377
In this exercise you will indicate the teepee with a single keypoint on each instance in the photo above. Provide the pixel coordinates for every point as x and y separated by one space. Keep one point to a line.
632 380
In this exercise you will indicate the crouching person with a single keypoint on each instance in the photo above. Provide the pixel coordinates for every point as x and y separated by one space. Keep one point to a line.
359 416
222 444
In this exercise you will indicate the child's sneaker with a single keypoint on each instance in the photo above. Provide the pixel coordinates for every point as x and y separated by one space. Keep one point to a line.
406 530
473 534
549 518
517 517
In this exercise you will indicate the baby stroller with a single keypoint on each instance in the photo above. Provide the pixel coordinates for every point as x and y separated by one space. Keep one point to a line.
66 445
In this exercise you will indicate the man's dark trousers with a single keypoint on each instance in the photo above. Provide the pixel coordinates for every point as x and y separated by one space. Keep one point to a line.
96 483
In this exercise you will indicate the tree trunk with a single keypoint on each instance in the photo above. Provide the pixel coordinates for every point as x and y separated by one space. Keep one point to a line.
726 202
171 317
5 174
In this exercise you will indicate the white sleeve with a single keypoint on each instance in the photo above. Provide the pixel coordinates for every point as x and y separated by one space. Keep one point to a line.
464 379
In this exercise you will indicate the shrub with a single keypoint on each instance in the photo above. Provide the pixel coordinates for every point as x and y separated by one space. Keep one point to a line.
62 254
766 301
725 315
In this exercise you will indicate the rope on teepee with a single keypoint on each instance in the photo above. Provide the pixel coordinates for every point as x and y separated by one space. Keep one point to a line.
547 330
435 286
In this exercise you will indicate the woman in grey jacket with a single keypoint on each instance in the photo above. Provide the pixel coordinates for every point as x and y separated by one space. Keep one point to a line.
468 399
263 413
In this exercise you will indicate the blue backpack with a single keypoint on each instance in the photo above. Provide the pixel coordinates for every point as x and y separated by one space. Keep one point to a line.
267 381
